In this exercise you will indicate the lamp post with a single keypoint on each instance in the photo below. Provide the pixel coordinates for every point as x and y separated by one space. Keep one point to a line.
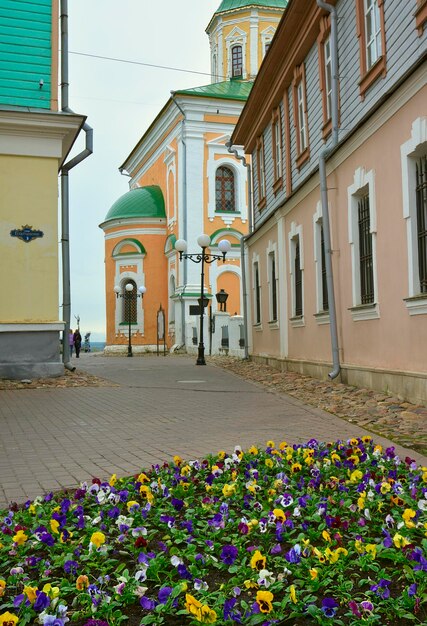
128 295
203 240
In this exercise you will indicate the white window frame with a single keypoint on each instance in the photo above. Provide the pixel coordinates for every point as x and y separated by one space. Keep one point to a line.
301 116
363 182
296 234
322 316
328 76
256 264
261 169
237 37
277 130
374 44
412 149
170 162
272 255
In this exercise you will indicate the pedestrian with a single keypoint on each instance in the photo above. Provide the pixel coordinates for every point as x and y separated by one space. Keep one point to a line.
77 342
71 341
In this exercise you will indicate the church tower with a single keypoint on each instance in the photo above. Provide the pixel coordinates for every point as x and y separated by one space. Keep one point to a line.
240 33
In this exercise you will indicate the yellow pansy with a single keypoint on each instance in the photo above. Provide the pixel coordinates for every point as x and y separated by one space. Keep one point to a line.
8 619
319 555
112 480
313 573
354 459
132 503
82 582
279 515
221 455
229 490
326 536
52 592
249 584
400 541
356 476
293 594
253 450
385 487
269 463
366 438
20 538
146 493
233 475
97 539
296 467
31 594
258 561
143 478
264 600
424 477
65 537
371 549
177 460
407 515
2 586
207 615
185 470
361 500
54 525
270 444
360 547
353 441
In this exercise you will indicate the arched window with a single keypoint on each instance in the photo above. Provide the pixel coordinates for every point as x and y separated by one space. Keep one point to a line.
129 303
236 61
225 199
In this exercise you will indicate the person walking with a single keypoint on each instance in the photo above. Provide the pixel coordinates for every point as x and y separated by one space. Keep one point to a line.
71 341
77 342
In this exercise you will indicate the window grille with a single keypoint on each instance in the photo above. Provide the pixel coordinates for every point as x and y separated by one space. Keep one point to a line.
373 32
257 296
236 61
298 280
224 337
129 304
273 288
224 189
325 302
421 194
242 336
365 252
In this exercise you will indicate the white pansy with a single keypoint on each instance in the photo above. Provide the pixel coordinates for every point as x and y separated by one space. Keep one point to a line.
265 578
175 560
422 505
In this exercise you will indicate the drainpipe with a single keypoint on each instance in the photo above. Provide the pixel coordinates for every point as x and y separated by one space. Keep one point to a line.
242 245
324 190
184 211
65 201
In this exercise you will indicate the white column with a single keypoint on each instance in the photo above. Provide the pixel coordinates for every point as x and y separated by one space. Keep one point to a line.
253 44
283 294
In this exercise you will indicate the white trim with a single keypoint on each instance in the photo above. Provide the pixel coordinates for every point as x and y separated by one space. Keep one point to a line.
216 148
237 37
363 182
170 162
271 254
255 262
30 327
322 316
266 37
409 151
119 279
253 42
283 286
136 231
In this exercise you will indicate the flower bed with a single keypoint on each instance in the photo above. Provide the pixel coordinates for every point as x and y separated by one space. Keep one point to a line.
306 534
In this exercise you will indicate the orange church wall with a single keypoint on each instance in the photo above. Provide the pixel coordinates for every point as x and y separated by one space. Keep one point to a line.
230 282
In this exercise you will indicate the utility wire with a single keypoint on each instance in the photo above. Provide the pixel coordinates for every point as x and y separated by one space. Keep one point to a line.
162 67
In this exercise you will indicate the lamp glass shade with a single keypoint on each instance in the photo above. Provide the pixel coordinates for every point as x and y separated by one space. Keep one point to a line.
224 245
205 301
116 289
142 289
181 245
129 287
203 240
221 296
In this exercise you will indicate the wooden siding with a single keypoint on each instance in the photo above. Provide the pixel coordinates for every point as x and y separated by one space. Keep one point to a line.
25 53
404 47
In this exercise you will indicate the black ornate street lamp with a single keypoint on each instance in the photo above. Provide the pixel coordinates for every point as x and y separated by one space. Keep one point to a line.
204 241
221 298
128 296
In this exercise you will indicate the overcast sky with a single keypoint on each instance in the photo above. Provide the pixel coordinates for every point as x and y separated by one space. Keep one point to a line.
120 101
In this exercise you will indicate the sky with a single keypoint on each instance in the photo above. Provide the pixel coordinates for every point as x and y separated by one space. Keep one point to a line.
120 101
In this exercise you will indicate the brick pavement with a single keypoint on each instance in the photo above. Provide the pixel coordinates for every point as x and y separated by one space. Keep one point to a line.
54 438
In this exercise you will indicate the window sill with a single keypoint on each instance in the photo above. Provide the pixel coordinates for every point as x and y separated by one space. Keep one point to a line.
364 312
127 324
322 317
277 186
273 324
297 321
262 204
377 70
421 16
417 305
225 212
258 327
302 158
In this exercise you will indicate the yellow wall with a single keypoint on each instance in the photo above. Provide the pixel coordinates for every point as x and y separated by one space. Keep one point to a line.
29 271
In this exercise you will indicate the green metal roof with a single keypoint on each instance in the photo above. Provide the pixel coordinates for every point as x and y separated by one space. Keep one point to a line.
229 89
140 202
230 5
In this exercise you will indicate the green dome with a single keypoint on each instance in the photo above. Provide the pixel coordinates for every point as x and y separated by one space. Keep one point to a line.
229 5
140 202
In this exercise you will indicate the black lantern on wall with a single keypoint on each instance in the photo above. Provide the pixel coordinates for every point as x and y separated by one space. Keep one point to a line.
221 298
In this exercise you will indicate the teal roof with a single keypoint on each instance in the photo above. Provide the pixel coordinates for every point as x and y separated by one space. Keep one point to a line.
229 89
140 202
230 5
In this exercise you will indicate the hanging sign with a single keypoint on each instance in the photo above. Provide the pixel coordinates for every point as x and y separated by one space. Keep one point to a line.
26 233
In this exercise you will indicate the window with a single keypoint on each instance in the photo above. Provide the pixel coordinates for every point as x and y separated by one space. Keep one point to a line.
421 16
365 251
325 301
257 294
276 132
421 195
272 280
224 190
300 115
325 73
322 302
261 173
362 239
414 186
236 61
296 265
371 34
129 304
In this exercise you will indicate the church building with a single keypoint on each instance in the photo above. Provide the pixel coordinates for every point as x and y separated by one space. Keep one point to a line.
184 182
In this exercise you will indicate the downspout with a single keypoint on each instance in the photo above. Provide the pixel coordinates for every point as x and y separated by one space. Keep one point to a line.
184 211
324 190
242 245
65 201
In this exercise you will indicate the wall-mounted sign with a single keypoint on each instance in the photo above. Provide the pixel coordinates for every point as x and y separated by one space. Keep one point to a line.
26 233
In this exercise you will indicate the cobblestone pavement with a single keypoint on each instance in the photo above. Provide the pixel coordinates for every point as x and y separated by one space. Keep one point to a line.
386 415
